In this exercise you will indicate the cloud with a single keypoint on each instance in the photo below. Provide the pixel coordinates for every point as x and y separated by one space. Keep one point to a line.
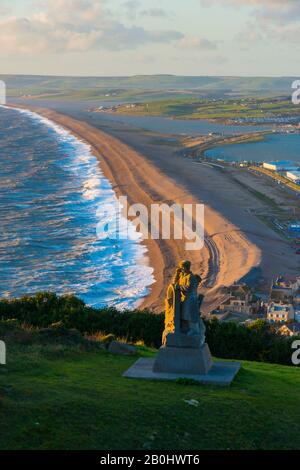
279 10
195 42
4 9
75 25
131 8
155 13
134 9
276 19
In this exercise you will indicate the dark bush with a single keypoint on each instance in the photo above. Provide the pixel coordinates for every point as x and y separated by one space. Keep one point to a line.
47 309
256 342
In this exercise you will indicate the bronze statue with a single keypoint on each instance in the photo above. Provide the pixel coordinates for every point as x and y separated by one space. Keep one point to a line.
183 304
184 352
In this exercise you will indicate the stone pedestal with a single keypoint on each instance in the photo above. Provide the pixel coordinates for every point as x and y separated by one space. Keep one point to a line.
183 355
221 373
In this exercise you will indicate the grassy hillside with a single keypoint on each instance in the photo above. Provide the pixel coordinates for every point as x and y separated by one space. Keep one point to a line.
258 341
61 391
189 108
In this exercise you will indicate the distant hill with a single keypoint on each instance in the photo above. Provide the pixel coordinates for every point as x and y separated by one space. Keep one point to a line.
34 84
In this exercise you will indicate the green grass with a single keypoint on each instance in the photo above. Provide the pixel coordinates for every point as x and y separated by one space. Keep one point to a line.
58 394
189 108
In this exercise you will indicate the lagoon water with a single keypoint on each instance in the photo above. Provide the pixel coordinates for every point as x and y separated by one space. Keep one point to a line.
273 147
149 123
177 126
53 196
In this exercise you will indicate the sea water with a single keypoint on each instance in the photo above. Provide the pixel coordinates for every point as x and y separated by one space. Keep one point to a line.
53 196
273 147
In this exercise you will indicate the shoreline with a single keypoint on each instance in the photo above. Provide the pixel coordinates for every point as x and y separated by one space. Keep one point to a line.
247 138
223 259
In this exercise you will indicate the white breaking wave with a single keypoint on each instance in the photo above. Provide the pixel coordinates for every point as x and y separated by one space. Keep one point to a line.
124 277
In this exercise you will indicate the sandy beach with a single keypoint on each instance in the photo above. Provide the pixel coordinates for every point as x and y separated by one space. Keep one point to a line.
223 259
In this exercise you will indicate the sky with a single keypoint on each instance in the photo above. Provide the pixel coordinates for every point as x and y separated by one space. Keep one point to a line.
130 37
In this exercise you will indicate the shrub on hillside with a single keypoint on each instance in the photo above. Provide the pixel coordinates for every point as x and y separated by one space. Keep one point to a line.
256 342
45 309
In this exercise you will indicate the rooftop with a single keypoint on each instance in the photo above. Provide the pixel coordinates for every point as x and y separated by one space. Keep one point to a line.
294 327
283 162
284 282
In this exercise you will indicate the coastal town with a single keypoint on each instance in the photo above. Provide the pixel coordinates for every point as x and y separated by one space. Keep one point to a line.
279 307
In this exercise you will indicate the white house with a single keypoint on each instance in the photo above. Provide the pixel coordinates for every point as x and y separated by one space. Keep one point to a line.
280 312
293 176
282 165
